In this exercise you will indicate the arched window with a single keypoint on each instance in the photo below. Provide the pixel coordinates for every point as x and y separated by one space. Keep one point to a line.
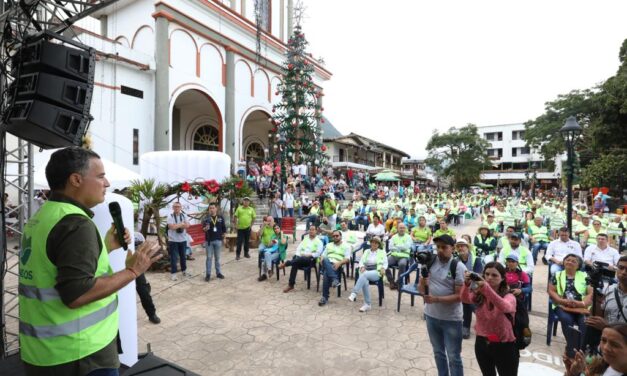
206 138
255 151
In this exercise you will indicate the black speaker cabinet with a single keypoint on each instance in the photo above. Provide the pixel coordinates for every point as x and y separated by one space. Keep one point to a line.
46 125
151 365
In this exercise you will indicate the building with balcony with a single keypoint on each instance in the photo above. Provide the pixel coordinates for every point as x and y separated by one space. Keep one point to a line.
514 163
359 152
416 170
187 75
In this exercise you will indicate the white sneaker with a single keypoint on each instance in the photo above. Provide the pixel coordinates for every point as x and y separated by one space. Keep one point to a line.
174 277
352 297
187 274
365 307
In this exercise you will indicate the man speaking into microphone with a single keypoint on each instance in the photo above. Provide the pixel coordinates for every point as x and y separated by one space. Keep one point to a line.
67 289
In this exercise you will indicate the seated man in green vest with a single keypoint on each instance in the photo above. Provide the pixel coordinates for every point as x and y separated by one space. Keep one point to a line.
538 238
266 235
306 254
484 243
525 258
67 289
334 256
400 247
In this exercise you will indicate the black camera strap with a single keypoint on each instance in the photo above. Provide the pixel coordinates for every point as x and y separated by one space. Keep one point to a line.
619 303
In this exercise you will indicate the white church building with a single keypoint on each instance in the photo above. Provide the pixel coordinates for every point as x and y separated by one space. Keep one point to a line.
185 75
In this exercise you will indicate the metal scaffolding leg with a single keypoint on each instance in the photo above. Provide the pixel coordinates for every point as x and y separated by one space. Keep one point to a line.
19 176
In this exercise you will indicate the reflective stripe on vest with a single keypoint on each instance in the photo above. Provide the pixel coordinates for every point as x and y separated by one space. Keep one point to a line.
399 242
50 332
70 327
43 294
539 233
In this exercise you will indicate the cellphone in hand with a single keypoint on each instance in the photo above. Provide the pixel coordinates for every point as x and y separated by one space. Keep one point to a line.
572 341
474 277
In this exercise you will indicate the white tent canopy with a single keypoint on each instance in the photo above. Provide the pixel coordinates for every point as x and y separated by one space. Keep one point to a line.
117 175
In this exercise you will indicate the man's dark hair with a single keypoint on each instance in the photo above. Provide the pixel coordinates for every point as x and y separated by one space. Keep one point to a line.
66 162
623 259
563 229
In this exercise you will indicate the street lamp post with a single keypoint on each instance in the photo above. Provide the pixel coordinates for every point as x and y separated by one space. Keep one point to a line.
570 131
498 180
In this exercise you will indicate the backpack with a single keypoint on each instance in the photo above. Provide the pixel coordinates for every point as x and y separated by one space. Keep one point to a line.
520 323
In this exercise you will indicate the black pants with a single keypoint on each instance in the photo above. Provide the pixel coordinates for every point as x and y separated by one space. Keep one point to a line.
502 357
243 238
143 290
298 262
468 309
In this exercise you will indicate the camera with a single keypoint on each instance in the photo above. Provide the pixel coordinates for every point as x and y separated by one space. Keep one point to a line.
474 277
179 230
424 257
598 272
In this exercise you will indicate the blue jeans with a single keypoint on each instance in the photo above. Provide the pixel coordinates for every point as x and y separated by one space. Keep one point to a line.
536 249
214 249
446 340
568 320
268 258
177 249
329 275
104 372
364 285
289 212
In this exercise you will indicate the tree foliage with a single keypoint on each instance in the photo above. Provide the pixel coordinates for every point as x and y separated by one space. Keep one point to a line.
607 170
299 113
602 113
458 155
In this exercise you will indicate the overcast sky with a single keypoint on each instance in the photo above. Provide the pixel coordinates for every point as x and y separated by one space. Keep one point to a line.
404 68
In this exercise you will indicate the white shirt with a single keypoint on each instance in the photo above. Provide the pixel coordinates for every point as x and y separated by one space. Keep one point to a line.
375 230
560 249
295 169
288 199
302 169
608 255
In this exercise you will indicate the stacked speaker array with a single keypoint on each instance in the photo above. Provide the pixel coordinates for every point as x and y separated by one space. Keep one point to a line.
51 95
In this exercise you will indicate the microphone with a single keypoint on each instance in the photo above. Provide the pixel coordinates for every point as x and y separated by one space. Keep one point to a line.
116 214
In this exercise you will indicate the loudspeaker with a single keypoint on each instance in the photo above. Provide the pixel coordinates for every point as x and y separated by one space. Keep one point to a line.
151 365
46 125
45 56
49 100
53 89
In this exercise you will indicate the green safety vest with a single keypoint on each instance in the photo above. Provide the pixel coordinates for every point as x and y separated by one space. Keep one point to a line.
51 333
335 252
381 256
349 237
592 236
523 253
539 233
614 230
311 245
398 241
580 283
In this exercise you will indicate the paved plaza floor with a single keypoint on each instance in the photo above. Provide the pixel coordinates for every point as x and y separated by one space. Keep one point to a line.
239 326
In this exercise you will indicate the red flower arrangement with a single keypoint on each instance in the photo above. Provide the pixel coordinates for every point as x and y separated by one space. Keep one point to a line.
185 187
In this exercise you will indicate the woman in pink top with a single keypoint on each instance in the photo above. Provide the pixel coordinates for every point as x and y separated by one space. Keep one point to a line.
495 345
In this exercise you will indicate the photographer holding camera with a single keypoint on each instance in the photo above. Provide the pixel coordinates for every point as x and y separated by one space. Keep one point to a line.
614 306
441 288
177 239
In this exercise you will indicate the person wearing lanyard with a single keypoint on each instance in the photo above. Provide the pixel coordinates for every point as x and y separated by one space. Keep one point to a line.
215 229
